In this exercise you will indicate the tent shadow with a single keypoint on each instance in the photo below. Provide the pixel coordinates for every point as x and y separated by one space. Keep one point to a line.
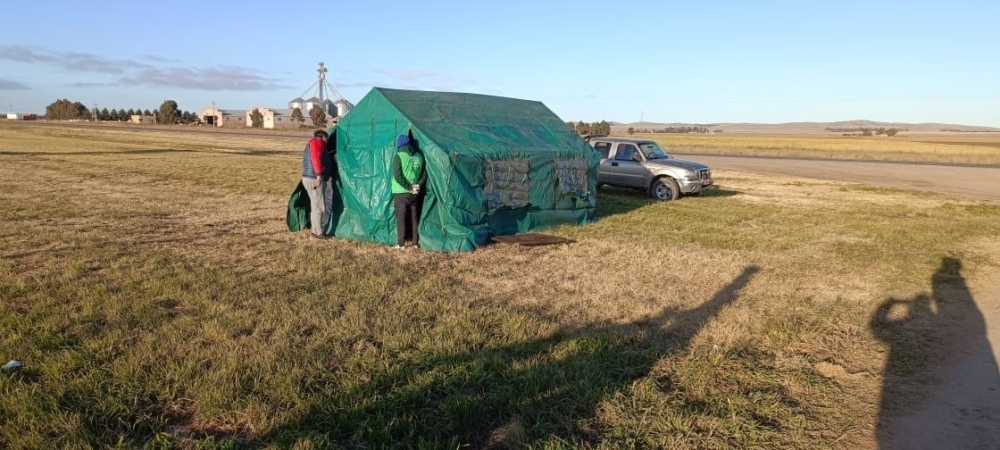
941 385
513 395
720 192
612 201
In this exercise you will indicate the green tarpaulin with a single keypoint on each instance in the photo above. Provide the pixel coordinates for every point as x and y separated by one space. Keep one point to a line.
496 166
297 216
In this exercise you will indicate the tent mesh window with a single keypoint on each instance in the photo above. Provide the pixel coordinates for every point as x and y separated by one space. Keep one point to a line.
507 184
572 177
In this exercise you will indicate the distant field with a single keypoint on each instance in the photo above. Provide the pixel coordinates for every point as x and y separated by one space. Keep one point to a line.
972 148
962 148
157 300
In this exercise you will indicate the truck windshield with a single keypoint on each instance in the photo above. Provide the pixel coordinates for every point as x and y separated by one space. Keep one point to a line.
653 151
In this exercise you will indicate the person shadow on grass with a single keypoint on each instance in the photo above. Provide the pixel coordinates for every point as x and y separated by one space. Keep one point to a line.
523 394
941 384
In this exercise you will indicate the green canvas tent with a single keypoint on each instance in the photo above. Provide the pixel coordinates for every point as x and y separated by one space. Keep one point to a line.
495 166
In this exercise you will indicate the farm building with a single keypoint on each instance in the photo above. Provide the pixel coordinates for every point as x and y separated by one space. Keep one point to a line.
19 116
232 118
278 118
496 166
242 118
141 119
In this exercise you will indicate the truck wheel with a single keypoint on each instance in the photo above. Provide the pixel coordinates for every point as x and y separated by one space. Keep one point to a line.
665 189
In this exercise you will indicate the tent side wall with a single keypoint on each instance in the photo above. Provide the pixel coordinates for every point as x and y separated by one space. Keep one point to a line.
456 213
365 145
539 204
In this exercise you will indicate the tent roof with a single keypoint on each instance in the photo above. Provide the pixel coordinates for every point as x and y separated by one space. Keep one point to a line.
484 124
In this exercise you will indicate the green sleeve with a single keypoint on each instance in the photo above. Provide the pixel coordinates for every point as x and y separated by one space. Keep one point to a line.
422 181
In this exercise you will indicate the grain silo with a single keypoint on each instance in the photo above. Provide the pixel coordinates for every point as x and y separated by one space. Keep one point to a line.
325 96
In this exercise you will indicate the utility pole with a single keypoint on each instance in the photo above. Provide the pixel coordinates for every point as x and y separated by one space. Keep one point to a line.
94 113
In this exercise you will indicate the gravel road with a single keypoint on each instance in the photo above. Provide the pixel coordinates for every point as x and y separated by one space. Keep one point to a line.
969 181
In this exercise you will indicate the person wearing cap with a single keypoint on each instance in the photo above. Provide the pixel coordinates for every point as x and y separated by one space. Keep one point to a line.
316 165
408 178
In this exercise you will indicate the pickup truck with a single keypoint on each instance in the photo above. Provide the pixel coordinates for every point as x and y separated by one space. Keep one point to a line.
642 164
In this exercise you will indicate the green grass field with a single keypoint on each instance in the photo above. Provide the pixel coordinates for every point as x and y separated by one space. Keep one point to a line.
149 285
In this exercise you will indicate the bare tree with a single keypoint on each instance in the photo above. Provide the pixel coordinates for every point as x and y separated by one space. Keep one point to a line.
256 119
66 110
318 116
168 112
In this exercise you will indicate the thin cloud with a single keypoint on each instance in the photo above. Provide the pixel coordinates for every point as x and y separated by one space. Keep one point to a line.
358 84
412 79
90 84
71 61
445 88
11 85
134 73
207 78
411 74
158 59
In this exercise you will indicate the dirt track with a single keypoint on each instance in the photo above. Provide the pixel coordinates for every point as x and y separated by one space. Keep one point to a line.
968 181
962 409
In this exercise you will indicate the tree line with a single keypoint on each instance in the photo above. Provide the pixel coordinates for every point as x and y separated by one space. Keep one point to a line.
866 131
604 128
586 129
167 113
685 130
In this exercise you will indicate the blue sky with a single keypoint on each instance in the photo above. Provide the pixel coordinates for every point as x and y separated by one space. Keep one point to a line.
661 61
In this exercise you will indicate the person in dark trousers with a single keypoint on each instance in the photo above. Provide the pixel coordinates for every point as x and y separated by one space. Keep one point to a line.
408 178
329 179
314 167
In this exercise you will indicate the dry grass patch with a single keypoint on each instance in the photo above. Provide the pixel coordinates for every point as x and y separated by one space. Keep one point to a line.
158 302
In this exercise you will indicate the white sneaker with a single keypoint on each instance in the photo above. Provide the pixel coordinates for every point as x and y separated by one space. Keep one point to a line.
398 247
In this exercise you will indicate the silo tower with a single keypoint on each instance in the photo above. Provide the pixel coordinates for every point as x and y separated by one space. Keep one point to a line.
326 96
